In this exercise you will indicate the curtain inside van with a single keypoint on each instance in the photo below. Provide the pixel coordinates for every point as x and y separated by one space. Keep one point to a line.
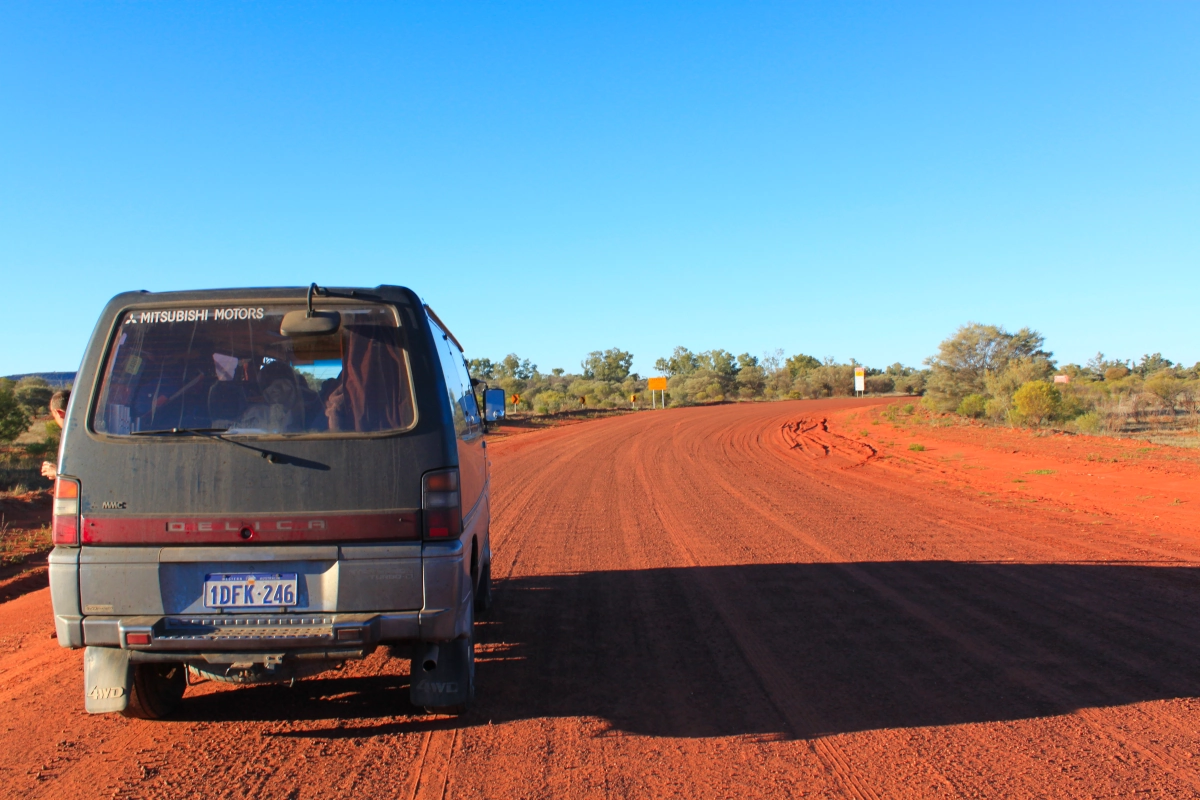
374 392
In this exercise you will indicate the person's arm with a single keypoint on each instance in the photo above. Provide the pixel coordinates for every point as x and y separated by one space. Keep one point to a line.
333 408
49 470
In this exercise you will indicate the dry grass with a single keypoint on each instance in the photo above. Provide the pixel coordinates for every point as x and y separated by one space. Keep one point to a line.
20 471
19 544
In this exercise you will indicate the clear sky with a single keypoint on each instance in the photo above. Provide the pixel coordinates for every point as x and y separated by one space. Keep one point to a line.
840 179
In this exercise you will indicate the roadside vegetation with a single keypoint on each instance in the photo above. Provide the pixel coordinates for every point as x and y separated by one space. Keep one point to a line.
982 373
985 373
605 380
27 434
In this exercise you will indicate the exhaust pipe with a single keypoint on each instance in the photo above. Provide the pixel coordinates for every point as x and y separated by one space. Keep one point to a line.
429 663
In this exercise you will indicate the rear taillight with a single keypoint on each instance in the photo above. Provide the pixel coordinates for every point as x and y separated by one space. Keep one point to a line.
65 522
441 504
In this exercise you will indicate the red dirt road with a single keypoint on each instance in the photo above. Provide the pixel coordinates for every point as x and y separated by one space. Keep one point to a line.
690 605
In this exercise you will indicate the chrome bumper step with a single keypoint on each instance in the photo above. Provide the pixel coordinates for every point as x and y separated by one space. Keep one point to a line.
192 630
247 632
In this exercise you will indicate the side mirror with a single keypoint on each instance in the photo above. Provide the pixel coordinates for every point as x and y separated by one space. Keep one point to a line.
493 404
310 323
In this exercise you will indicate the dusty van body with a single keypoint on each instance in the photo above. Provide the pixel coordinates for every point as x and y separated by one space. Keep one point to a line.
258 485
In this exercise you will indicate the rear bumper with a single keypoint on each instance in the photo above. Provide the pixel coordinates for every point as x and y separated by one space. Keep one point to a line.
250 632
274 632
438 575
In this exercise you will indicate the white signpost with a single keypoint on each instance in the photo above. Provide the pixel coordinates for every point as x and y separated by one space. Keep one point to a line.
860 380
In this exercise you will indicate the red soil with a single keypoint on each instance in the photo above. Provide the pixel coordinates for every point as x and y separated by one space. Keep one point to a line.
29 510
735 601
1099 479
24 542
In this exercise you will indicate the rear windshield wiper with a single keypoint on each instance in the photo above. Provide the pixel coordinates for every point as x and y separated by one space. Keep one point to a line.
208 433
181 432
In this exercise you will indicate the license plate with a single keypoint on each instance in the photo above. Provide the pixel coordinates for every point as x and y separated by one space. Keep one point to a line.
249 591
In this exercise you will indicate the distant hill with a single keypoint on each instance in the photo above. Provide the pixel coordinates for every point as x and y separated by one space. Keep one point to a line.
56 379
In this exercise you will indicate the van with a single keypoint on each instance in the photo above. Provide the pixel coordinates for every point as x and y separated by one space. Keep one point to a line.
258 485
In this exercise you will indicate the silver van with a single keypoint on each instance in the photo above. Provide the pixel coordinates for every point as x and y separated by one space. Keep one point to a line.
260 484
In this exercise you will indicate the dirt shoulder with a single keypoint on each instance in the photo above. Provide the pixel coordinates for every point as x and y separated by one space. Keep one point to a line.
531 423
24 542
1100 479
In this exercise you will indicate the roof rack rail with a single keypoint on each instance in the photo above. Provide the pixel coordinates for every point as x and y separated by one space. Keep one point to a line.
442 325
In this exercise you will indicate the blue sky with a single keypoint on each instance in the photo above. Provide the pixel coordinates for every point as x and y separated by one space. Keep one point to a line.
840 179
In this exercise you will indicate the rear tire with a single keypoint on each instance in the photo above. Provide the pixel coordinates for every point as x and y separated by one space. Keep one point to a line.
483 592
157 690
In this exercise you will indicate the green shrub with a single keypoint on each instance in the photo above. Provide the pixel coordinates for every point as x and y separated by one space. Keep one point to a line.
1070 406
14 419
917 447
1017 373
913 383
974 354
1166 388
880 384
548 402
1189 397
997 408
800 363
610 365
1115 373
826 380
34 395
1037 401
49 445
1091 422
973 405
908 408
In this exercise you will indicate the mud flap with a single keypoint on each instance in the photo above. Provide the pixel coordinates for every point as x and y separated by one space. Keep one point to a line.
107 679
450 682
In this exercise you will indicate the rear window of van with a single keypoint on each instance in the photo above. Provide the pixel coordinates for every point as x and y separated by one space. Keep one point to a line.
228 369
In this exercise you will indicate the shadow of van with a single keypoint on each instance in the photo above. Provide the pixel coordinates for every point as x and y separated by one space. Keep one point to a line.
793 650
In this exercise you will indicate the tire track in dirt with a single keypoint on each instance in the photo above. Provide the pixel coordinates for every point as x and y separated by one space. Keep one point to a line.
534 479
924 613
1111 545
812 437
981 647
433 771
775 678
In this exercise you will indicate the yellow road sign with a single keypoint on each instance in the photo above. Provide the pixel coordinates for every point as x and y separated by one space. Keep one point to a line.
657 384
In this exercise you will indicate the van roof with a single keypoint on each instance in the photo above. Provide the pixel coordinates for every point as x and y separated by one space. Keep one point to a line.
383 292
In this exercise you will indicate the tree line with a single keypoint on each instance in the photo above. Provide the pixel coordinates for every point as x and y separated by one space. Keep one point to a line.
606 380
981 372
987 373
